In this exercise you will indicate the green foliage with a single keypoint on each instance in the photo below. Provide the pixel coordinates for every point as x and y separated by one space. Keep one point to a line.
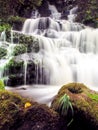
30 42
19 49
2 86
64 105
15 20
17 7
3 52
4 27
13 63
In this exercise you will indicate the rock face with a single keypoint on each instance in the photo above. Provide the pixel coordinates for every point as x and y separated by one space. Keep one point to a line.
85 105
18 113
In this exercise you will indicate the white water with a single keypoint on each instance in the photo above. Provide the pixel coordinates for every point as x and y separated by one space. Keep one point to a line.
72 14
41 93
54 13
68 53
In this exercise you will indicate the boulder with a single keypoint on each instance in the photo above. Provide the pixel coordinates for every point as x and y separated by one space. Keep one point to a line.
18 113
85 106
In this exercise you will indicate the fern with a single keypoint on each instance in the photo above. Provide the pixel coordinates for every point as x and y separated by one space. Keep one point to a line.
64 106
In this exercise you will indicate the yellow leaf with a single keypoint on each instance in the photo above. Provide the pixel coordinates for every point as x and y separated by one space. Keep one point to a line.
27 104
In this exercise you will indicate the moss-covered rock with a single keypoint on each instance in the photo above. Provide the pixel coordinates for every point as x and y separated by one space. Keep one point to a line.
14 70
30 42
16 114
16 22
85 104
40 117
10 109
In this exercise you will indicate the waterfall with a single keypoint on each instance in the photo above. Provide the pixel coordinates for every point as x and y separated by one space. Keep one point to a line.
69 50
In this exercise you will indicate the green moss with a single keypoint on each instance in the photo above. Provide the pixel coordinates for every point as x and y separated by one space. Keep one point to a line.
19 49
83 100
14 63
2 86
4 26
93 96
30 42
16 19
10 105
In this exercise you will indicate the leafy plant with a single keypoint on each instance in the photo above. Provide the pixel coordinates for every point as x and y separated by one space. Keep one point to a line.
2 86
4 27
64 106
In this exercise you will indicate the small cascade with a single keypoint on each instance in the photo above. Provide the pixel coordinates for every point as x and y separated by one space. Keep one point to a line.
3 37
72 14
12 36
54 13
25 70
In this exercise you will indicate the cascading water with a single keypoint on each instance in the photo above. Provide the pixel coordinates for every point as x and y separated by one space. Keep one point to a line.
54 13
68 52
68 55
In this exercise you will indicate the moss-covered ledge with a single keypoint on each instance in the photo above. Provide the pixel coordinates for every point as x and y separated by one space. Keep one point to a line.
19 113
85 105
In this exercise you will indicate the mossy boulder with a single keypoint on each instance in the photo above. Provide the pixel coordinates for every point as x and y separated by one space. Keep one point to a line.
11 105
18 113
85 105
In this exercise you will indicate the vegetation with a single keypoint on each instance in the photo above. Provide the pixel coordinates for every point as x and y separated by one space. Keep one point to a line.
3 52
87 12
18 7
93 96
2 86
13 63
64 105
16 22
4 26
19 49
